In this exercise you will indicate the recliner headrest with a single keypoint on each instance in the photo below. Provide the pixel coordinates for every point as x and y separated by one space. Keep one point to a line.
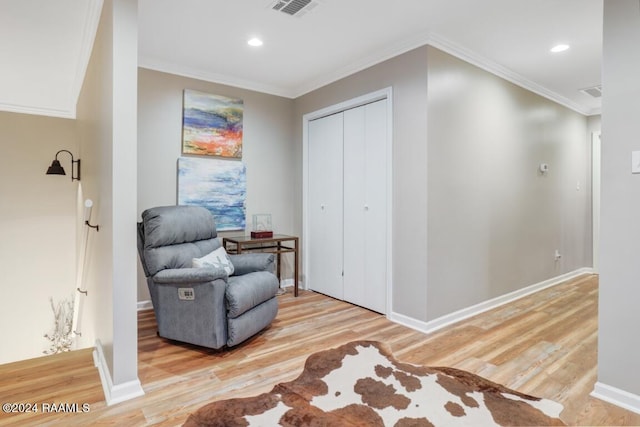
170 225
171 236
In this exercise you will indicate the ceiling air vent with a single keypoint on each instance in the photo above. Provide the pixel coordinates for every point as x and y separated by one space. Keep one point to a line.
595 91
294 7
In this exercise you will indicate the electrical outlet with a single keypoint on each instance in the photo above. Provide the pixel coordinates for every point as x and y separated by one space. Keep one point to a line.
557 255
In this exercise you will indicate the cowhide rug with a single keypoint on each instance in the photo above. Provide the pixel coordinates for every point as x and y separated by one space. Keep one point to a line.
362 384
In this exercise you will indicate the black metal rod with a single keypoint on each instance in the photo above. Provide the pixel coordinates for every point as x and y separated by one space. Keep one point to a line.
97 227
73 178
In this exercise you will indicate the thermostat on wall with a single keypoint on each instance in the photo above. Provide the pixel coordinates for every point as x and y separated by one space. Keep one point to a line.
635 162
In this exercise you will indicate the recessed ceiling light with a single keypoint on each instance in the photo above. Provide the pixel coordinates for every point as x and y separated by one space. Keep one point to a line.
255 42
559 48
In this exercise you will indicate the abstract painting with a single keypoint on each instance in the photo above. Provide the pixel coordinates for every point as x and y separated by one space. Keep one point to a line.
216 184
211 125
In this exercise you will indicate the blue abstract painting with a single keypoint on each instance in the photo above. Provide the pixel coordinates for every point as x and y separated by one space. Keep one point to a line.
218 185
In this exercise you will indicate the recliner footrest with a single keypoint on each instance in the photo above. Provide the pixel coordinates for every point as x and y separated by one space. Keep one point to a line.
249 290
251 322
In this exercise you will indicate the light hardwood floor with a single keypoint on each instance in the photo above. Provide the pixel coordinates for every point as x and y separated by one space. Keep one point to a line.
544 344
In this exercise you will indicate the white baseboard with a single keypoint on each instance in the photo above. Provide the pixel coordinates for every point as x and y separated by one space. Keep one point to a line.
114 393
465 313
613 395
144 305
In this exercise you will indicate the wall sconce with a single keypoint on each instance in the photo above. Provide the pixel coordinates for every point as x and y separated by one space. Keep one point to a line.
57 169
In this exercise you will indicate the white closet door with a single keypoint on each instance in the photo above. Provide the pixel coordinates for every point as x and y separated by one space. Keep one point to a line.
365 206
325 206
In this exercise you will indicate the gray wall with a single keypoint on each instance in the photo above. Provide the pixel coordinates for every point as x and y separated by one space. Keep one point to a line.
407 74
494 220
619 317
472 217
594 123
268 151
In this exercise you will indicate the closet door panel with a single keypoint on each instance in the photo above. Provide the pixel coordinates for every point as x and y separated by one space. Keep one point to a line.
365 205
325 205
355 248
376 194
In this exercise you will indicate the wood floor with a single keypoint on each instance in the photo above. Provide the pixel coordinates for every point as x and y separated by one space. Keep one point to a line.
544 344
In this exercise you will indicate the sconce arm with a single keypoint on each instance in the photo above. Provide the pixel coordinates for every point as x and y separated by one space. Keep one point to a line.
77 162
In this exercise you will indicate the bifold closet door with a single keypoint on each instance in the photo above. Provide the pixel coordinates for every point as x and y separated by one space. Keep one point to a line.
365 205
325 207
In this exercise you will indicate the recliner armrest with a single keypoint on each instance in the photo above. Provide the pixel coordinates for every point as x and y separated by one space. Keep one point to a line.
252 262
189 275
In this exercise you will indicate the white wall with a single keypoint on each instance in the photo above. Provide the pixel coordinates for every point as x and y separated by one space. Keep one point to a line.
37 230
107 118
94 120
268 151
619 316
125 172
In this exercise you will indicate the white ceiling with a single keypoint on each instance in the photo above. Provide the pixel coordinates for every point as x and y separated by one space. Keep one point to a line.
44 44
44 47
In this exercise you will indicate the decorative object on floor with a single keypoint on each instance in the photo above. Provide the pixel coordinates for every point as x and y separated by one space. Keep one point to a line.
218 185
61 337
212 125
57 169
262 228
362 384
205 306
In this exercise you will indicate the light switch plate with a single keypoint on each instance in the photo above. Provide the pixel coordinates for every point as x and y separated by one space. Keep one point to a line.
635 162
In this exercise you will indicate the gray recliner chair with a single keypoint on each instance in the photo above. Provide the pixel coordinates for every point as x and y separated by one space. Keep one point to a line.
202 306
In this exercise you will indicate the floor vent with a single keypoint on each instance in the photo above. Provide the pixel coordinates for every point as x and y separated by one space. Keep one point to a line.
595 91
294 7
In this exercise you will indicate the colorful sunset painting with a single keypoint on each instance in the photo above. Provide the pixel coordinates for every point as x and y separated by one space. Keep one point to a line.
211 125
218 185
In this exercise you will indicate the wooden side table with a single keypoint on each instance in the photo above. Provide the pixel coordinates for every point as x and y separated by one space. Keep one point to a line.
278 244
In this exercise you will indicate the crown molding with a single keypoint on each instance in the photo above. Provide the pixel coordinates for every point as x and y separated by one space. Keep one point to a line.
198 74
459 52
404 46
39 111
504 73
93 18
392 51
